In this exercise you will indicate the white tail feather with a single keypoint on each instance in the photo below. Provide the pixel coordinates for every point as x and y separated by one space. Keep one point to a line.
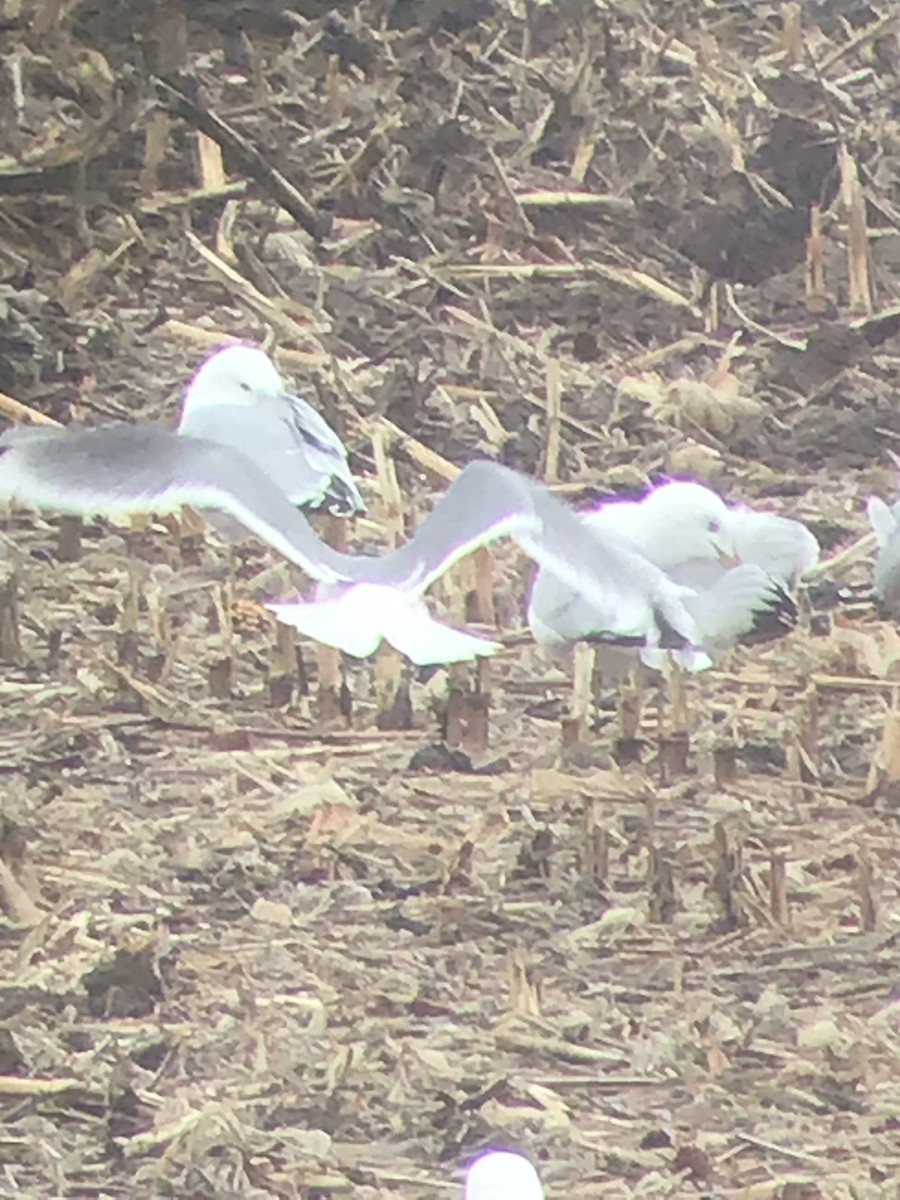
362 616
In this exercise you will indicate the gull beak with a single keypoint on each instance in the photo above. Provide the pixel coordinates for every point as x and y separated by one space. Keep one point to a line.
724 548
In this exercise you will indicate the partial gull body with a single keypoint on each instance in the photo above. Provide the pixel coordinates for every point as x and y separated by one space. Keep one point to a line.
885 521
502 1175
123 469
687 530
237 399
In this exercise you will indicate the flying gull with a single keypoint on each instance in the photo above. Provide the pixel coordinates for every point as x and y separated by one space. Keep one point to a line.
119 469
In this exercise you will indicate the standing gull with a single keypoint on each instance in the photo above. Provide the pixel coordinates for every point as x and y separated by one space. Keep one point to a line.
687 531
237 399
123 469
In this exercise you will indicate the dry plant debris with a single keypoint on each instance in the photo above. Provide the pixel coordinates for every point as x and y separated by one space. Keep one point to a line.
265 933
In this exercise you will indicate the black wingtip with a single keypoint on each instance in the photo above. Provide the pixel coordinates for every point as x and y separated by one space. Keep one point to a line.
613 639
342 500
778 617
669 638
338 499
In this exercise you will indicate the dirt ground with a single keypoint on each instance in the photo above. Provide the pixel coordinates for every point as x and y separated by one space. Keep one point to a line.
263 937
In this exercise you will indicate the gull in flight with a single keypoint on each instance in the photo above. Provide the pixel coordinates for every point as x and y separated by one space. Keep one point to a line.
502 1175
120 469
237 399
738 564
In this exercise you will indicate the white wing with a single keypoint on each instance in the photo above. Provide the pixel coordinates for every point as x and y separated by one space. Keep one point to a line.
784 548
128 469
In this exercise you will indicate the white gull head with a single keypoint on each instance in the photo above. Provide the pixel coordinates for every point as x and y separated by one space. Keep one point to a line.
501 1175
234 375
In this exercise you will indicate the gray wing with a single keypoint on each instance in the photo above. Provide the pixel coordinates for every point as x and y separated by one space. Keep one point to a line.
883 519
127 469
264 433
728 606
631 597
558 614
121 469
314 439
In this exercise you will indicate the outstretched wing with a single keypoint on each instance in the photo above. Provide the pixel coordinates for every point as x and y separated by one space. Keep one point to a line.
119 469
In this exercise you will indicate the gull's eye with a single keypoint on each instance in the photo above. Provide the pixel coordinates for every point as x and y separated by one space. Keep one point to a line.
244 386
714 526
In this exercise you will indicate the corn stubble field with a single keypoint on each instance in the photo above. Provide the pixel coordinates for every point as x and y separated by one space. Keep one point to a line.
265 933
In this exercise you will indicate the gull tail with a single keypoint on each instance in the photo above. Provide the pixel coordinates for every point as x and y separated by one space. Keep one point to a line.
363 615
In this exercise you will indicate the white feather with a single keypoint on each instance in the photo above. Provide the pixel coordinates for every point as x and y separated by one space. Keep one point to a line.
357 620
501 1175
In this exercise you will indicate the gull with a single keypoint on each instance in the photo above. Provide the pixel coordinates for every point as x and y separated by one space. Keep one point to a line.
121 469
237 399
885 521
502 1175
739 565
633 601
